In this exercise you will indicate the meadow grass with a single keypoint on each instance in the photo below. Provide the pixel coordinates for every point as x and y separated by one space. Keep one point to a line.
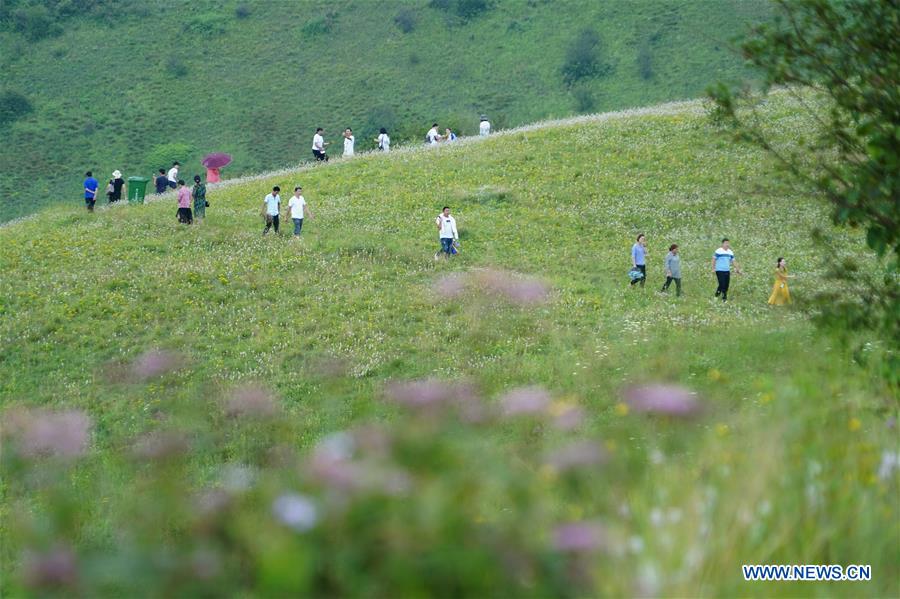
786 463
146 83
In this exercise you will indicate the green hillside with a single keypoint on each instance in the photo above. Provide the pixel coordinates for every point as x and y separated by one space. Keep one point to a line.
785 464
133 85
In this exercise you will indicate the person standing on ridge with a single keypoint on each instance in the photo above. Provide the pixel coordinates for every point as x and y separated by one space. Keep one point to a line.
673 270
297 206
723 258
639 259
446 226
383 141
484 126
91 185
319 145
118 184
199 194
173 175
271 209
349 141
161 182
184 204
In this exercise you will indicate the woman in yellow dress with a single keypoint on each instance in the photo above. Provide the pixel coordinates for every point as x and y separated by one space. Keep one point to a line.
781 295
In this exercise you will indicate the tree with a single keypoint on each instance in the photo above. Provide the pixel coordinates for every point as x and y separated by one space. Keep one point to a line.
584 58
847 53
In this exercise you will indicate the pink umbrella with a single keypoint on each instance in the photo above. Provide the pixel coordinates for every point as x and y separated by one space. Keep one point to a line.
213 162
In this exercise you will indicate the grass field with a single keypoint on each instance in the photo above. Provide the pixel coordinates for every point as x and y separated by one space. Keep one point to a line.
789 461
140 84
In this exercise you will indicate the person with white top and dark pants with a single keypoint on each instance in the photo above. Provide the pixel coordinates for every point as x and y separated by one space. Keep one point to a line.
446 226
722 261
484 127
433 137
297 204
319 145
271 209
383 141
172 176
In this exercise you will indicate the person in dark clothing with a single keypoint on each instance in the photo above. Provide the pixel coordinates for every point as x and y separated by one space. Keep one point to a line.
118 184
161 181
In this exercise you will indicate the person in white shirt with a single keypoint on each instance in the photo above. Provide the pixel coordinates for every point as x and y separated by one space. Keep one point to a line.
271 209
172 176
319 145
349 141
297 204
433 136
446 226
484 127
383 141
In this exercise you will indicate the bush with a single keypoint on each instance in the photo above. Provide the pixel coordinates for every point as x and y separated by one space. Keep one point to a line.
584 99
583 58
205 26
242 11
645 62
464 9
163 155
35 22
176 67
405 20
13 106
322 25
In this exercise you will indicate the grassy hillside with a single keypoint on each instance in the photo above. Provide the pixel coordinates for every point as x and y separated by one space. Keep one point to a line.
785 464
135 85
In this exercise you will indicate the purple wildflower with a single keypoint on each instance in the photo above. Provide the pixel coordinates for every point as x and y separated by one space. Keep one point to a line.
54 568
251 401
44 433
154 363
667 400
580 537
295 511
575 455
525 400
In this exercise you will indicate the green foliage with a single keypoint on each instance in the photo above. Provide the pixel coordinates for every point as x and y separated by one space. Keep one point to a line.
405 20
263 86
584 58
163 155
35 22
645 62
13 106
464 9
584 99
849 53
322 25
205 25
248 437
242 11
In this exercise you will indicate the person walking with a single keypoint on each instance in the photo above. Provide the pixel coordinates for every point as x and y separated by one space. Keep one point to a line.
349 141
271 209
199 194
484 126
723 259
383 141
446 226
172 175
298 207
781 295
673 270
118 184
433 136
161 182
319 145
184 204
639 259
91 186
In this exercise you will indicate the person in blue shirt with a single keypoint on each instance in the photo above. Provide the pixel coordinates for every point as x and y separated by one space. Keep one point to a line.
639 258
91 185
723 259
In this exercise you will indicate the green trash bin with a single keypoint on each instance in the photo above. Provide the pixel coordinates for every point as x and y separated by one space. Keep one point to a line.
137 189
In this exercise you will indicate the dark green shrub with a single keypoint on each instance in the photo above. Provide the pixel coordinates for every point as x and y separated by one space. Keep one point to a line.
176 67
405 20
584 99
645 62
464 9
13 106
242 11
584 59
35 22
205 26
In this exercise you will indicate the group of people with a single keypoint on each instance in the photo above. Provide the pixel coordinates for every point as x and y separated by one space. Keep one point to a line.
723 263
297 206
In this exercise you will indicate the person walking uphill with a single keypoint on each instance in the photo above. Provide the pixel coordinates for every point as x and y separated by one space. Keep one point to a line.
199 193
184 203
271 209
723 258
781 295
673 270
297 206
447 232
91 186
639 259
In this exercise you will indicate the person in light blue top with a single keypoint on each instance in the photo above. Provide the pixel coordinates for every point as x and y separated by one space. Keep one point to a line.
723 259
639 259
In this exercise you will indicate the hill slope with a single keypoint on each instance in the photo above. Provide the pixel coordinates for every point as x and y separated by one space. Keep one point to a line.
81 294
136 85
